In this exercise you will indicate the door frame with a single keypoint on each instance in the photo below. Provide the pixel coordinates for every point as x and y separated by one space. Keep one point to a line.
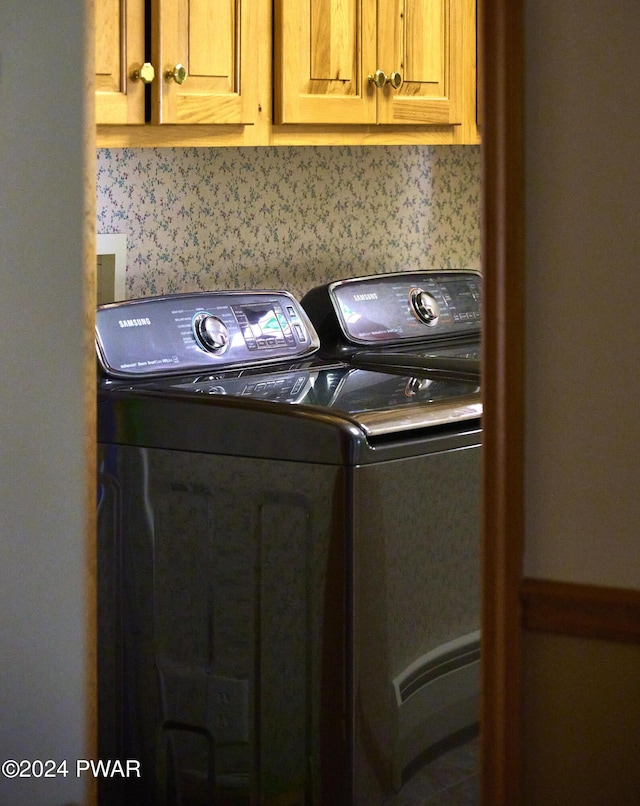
501 37
501 49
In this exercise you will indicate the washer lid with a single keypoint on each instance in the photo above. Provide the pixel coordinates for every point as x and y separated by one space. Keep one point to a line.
382 403
375 402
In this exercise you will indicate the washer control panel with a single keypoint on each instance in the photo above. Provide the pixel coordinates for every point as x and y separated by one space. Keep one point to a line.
158 336
402 307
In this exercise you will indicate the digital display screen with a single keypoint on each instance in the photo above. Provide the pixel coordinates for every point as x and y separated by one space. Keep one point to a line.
465 295
263 325
263 322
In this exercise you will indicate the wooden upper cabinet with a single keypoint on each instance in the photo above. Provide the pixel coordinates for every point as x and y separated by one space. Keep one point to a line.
326 50
209 46
119 26
323 49
421 40
215 43
322 53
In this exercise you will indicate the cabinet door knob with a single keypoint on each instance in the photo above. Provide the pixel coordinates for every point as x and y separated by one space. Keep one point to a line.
178 74
144 73
379 78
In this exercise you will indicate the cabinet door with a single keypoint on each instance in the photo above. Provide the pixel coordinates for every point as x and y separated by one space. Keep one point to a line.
216 42
119 39
324 52
422 40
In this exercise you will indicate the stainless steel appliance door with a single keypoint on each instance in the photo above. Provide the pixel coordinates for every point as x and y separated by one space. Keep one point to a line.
222 628
416 595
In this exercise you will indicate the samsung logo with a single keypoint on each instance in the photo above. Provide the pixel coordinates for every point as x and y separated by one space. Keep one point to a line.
365 297
142 322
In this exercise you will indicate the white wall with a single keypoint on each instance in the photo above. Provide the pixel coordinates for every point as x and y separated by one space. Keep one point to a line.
583 291
42 565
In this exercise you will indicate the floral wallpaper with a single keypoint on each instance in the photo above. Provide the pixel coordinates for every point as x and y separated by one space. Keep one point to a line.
287 218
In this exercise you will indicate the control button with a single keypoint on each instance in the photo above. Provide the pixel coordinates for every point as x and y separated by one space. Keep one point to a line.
210 332
302 336
424 306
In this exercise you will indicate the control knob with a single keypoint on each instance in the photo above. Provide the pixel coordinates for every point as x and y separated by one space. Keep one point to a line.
210 332
424 306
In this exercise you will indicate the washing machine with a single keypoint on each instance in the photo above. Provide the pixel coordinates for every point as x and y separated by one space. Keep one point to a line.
288 559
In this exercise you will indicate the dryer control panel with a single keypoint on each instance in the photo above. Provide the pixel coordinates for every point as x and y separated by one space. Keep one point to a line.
399 308
179 333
